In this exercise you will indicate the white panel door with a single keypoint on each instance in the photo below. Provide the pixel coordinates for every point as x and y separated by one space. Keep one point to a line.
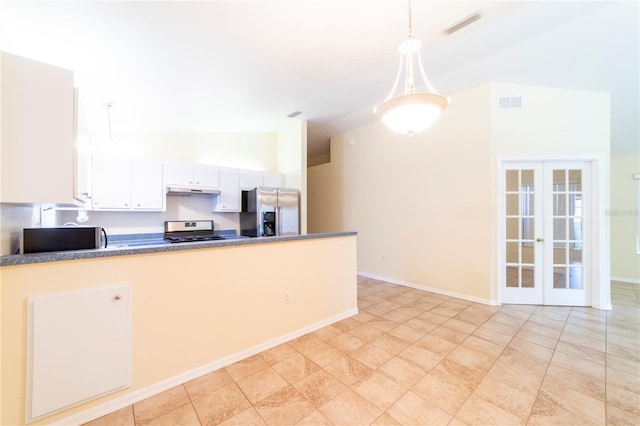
566 239
544 222
79 348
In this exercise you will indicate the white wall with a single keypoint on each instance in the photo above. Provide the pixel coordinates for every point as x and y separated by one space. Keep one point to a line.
420 205
425 208
13 218
625 260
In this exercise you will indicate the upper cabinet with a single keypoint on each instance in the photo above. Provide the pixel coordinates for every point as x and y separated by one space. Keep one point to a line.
181 173
123 183
250 180
229 198
38 132
273 180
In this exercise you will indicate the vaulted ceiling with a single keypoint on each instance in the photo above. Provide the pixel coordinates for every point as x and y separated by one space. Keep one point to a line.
242 66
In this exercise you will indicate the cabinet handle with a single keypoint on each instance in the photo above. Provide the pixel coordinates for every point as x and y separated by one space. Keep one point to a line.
126 205
539 240
138 205
117 297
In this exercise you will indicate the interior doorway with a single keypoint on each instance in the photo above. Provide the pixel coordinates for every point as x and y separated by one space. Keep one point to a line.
544 232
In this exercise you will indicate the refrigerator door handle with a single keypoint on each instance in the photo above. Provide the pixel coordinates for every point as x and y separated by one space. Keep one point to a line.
279 221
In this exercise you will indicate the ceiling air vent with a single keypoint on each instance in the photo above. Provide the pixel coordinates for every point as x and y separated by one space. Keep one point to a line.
475 16
294 114
509 102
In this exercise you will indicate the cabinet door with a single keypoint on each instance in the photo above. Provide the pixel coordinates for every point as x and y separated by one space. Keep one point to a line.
250 180
147 191
273 180
206 176
178 173
37 115
111 182
83 191
229 198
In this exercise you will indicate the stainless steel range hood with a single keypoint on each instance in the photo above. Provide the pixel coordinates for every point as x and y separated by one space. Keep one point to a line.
192 191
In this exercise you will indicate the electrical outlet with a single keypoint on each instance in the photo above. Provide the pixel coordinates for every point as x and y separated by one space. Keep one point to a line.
287 297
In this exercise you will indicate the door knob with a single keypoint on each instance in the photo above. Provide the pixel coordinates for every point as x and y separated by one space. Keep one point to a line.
539 240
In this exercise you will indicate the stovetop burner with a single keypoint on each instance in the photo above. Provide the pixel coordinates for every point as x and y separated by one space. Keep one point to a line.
189 231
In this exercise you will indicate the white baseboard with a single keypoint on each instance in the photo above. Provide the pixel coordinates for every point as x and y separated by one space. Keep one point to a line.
431 289
626 280
140 394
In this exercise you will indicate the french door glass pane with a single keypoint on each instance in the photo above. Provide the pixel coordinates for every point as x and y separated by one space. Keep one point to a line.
513 204
513 252
528 253
527 276
559 178
512 181
559 228
512 276
513 228
559 277
559 204
575 178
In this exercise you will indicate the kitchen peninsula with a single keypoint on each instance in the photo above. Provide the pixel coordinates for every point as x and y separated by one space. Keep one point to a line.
194 307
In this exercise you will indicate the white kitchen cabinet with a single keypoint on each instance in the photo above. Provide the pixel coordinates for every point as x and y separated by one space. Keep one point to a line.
124 183
111 183
38 134
147 191
273 180
250 180
181 173
229 198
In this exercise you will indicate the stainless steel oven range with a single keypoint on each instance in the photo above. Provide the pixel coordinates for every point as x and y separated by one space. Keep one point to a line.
189 231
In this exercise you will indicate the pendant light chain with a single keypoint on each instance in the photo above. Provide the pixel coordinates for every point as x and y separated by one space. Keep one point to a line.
409 81
410 27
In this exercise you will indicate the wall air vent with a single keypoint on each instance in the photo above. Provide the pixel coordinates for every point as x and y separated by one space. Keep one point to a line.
294 114
509 102
475 16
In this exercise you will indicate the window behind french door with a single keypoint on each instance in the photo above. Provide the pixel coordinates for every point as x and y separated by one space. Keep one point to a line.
543 255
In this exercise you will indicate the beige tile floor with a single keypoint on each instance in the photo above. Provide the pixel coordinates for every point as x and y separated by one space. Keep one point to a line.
412 357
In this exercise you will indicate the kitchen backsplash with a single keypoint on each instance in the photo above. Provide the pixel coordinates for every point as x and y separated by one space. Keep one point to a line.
178 208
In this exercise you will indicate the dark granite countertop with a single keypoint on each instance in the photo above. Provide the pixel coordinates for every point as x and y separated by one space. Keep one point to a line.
152 243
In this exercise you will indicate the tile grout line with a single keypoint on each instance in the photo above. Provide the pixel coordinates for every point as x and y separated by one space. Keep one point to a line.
548 365
191 402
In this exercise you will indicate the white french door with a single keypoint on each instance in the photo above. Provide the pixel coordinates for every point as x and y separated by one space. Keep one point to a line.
544 222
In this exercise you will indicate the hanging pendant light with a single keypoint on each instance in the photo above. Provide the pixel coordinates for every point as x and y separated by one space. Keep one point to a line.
411 112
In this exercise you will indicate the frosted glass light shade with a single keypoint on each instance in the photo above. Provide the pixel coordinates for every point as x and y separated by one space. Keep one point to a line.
412 113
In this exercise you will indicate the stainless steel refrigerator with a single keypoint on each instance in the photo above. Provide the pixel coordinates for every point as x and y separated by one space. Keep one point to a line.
268 212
